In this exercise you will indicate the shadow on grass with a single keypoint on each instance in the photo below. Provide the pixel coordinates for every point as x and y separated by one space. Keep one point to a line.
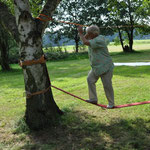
81 131
11 71
139 52
125 53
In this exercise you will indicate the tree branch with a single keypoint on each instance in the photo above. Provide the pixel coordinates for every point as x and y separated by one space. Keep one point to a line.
22 8
48 10
9 21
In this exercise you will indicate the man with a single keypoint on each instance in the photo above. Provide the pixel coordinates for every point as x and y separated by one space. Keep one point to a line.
101 64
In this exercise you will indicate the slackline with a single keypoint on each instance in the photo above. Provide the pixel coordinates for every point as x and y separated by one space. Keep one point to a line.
101 105
46 18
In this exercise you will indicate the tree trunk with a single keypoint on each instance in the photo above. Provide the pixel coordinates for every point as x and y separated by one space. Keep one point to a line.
121 40
77 39
41 109
4 49
4 56
130 36
126 48
130 32
77 46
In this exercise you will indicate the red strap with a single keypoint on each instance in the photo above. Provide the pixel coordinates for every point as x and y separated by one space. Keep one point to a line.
104 106
50 19
32 62
46 18
132 104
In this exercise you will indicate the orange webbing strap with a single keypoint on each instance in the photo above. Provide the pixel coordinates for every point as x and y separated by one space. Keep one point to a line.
29 95
29 63
32 62
46 18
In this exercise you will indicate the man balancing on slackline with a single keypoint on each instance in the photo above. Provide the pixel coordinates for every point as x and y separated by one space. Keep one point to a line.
101 64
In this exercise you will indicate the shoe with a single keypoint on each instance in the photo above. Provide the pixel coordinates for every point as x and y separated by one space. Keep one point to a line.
110 106
91 101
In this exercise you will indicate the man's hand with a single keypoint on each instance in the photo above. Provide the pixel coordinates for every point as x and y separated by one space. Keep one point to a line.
80 30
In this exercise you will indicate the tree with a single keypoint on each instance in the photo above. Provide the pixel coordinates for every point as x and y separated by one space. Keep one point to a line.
41 109
72 11
4 49
69 11
84 12
126 13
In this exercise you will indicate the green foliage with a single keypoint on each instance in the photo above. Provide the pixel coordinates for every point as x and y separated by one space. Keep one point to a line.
146 4
52 53
116 41
56 53
36 6
128 13
85 12
10 5
82 48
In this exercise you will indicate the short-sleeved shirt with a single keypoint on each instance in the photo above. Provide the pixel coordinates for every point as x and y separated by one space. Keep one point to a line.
100 59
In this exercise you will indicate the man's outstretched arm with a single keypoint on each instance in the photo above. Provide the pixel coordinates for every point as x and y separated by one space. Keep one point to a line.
82 37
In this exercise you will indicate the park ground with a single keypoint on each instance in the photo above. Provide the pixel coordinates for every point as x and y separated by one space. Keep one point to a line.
83 126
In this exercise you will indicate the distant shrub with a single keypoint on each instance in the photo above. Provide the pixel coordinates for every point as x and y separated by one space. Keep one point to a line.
53 53
81 55
81 48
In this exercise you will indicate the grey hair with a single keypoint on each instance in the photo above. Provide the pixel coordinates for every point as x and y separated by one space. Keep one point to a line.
93 29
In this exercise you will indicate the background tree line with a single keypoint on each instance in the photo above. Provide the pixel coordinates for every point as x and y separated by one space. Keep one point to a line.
102 13
131 13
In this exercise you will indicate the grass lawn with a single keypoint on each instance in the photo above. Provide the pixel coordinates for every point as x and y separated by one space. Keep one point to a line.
83 126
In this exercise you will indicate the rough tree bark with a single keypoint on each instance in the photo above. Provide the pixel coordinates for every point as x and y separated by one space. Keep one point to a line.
41 110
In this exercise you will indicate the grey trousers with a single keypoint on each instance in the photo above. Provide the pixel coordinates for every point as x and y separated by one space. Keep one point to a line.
107 84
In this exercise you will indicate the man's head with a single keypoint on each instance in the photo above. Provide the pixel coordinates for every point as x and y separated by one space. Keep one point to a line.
92 32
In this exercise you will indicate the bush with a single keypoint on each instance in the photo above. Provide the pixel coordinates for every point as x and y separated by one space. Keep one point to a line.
81 55
82 48
52 53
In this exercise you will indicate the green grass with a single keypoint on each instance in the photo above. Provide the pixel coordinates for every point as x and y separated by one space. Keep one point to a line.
137 56
83 126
